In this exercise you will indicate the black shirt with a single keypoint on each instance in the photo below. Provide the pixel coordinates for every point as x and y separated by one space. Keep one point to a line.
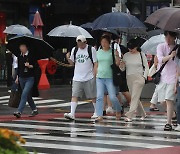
25 72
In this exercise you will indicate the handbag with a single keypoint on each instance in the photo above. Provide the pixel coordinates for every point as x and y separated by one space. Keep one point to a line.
15 98
117 73
152 70
157 76
146 81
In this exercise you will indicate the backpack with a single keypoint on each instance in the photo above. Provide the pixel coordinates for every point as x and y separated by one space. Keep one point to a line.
89 52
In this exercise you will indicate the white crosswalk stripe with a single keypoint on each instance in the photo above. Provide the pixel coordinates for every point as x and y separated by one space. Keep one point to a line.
86 136
44 103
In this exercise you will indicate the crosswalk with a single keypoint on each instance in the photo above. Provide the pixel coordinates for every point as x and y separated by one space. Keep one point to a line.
83 135
43 103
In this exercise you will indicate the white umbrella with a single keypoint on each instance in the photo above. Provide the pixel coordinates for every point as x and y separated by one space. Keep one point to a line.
69 31
150 46
18 30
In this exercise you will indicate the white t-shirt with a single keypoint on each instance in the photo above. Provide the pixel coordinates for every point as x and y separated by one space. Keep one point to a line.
15 63
83 66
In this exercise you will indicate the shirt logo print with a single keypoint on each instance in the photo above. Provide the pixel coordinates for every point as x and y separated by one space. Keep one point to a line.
82 58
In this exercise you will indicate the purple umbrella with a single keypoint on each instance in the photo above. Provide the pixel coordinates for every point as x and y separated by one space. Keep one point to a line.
166 18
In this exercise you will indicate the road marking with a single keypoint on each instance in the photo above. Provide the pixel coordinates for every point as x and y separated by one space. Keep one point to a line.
96 141
62 105
41 127
68 147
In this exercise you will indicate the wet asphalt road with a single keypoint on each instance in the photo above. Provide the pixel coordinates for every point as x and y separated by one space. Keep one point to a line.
50 133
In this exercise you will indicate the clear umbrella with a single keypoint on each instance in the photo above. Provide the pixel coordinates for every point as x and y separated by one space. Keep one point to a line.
17 30
150 46
69 31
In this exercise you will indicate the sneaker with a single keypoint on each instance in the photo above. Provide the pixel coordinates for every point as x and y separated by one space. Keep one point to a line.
17 114
109 110
69 116
99 119
177 128
94 116
34 113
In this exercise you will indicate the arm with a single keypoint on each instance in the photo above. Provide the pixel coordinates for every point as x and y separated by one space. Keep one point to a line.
177 82
146 71
70 57
95 68
117 58
160 55
155 62
122 65
167 58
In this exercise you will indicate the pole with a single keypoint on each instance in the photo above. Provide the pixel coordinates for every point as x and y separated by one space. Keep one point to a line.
143 9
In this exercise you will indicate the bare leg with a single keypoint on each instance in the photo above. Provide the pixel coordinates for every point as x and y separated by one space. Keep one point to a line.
170 111
127 96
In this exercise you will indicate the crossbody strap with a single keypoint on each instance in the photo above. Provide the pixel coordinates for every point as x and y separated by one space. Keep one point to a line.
162 67
142 61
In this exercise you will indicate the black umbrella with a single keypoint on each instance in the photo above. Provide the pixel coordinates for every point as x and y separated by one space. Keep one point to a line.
38 47
123 22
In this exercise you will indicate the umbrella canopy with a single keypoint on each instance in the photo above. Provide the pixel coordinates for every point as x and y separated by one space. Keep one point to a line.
155 32
69 31
87 25
150 46
39 48
37 23
166 18
17 30
121 21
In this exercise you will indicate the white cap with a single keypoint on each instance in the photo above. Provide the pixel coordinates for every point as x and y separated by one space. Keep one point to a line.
81 38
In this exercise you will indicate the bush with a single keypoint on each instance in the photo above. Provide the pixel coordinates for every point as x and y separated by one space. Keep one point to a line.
10 142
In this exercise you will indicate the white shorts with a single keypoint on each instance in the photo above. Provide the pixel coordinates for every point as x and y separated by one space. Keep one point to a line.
165 92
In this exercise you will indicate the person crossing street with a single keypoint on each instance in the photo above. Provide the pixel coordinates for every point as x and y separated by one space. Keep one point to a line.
83 57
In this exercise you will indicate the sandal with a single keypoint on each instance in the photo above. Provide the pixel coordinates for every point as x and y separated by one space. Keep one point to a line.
167 127
154 109
143 117
128 120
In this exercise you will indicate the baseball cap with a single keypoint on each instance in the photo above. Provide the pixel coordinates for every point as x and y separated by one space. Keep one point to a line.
81 38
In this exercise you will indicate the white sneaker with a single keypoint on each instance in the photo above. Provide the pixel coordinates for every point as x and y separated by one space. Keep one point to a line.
109 110
94 116
177 128
69 116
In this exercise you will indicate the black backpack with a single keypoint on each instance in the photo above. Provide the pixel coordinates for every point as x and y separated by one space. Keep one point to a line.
89 52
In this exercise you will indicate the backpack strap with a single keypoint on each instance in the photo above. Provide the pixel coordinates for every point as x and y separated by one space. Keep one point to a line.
75 51
90 53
